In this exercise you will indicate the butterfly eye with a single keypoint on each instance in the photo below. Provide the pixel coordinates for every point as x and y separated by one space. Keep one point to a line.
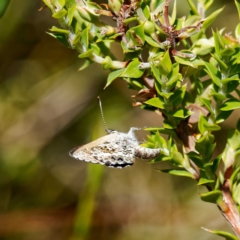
113 158
120 159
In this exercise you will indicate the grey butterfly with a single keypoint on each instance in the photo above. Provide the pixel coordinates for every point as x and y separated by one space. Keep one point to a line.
116 150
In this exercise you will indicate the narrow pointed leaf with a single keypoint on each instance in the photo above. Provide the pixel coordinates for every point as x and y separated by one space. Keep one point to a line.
86 63
238 7
204 181
182 173
213 73
60 14
59 30
212 196
230 105
193 7
208 21
226 235
113 75
156 102
132 70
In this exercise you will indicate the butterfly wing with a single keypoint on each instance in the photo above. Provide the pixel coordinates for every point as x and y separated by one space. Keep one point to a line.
114 150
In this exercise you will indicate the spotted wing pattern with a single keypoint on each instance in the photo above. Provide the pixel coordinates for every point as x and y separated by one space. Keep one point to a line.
114 150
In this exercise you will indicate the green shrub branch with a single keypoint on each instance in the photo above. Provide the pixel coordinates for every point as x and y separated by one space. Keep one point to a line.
190 80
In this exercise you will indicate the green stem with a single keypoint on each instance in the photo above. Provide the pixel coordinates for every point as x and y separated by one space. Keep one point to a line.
86 203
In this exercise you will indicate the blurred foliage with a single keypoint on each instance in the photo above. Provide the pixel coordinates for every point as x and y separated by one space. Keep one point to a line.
3 6
47 107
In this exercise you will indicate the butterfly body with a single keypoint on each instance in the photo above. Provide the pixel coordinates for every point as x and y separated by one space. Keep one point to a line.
117 150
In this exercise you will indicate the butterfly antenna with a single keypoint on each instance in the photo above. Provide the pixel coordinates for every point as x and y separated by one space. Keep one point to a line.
101 110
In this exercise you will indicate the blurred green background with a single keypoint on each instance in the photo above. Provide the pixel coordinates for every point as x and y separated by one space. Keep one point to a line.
47 107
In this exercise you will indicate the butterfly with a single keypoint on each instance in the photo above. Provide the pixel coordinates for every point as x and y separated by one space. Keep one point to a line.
116 150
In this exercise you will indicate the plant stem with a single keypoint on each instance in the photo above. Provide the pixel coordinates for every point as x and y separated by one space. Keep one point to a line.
229 210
